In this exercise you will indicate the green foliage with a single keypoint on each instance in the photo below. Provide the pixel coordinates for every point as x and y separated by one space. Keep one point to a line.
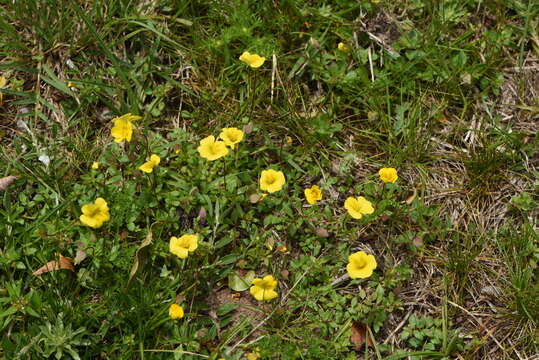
406 93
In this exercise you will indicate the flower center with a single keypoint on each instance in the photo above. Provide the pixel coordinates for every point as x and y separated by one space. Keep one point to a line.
266 286
94 212
360 263
270 179
213 149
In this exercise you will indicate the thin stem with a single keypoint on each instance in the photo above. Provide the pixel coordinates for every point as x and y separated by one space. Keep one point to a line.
252 96
224 173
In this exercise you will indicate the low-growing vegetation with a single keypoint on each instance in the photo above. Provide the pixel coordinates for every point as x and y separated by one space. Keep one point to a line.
269 180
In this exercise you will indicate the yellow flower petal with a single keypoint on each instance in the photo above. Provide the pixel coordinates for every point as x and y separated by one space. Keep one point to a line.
231 136
94 215
342 47
95 165
183 245
212 150
357 207
388 175
175 311
313 194
122 130
253 60
264 289
271 180
361 265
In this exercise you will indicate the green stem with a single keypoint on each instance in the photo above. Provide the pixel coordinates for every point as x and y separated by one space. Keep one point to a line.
224 173
252 96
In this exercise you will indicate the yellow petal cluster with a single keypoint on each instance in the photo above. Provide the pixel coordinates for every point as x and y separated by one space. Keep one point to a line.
264 289
181 247
210 149
360 265
342 47
148 166
231 136
123 127
313 194
271 180
95 165
357 207
175 311
94 215
253 60
388 175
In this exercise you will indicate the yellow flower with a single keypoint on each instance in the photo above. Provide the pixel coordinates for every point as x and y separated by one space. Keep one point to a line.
231 136
123 127
342 47
95 165
175 311
252 356
253 60
182 246
313 194
94 215
212 150
360 265
264 289
388 175
271 180
357 207
148 166
3 83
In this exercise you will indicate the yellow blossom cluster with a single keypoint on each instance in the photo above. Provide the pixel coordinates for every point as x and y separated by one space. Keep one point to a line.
212 149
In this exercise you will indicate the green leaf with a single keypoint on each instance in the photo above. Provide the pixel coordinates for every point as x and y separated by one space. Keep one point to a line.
238 283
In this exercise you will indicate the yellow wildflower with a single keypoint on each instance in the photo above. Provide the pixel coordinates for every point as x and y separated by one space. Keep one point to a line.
94 215
357 207
181 247
388 175
252 356
212 150
253 60
3 83
342 47
313 194
231 136
148 166
95 165
264 289
123 127
271 180
360 265
175 311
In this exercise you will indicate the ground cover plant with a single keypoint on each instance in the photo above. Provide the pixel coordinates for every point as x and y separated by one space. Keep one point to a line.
269 180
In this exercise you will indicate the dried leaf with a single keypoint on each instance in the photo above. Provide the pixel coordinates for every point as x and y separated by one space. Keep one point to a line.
202 214
139 257
6 181
360 336
254 198
247 129
62 263
411 199
320 231
80 255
